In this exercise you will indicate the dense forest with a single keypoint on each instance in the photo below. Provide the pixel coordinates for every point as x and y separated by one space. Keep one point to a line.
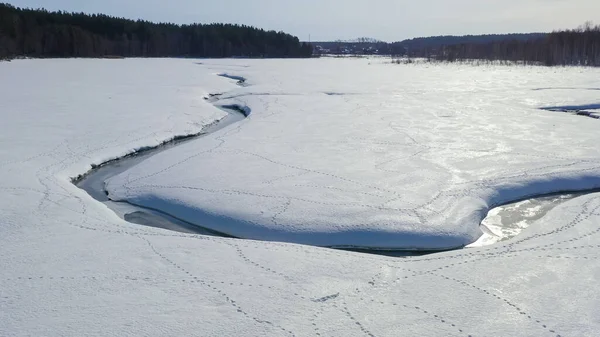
40 33
422 43
579 46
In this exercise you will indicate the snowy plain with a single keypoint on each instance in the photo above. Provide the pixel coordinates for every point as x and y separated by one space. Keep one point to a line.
349 154
409 155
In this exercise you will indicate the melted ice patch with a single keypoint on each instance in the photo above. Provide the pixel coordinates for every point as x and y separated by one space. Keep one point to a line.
507 221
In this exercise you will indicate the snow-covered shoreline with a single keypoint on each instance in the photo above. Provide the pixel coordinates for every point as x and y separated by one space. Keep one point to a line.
138 151
71 267
93 180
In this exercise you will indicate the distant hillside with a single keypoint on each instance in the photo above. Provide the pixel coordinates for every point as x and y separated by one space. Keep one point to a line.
361 40
358 46
40 33
417 45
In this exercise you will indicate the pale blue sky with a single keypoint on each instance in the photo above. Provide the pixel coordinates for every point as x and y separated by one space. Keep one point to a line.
388 20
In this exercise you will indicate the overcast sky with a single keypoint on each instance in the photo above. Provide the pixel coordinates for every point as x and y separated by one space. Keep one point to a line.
389 20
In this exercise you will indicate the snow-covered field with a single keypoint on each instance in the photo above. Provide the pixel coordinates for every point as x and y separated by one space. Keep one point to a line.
344 153
335 152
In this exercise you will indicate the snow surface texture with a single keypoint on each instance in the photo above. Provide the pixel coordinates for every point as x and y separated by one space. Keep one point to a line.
71 267
343 153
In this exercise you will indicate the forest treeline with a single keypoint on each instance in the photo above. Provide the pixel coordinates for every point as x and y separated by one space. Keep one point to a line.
422 43
579 47
41 33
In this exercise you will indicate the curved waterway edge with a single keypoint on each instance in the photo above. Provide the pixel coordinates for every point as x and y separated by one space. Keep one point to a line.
93 181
